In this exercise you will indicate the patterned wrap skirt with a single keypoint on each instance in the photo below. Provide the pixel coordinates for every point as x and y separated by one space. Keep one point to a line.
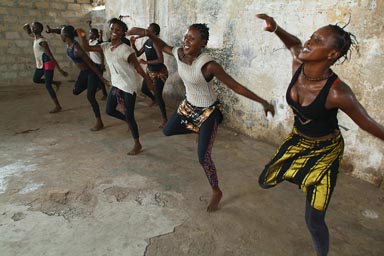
311 164
193 117
162 74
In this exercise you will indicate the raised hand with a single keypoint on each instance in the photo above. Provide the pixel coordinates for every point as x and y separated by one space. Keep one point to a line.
80 32
270 23
48 30
132 39
269 108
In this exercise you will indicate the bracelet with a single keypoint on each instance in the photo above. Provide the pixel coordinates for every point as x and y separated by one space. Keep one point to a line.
277 26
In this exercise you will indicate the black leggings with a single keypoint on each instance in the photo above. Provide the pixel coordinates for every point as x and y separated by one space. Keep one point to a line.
315 220
158 97
48 78
88 80
101 84
129 105
207 136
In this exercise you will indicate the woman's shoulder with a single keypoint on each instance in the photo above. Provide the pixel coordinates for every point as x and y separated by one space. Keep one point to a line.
40 39
205 57
340 91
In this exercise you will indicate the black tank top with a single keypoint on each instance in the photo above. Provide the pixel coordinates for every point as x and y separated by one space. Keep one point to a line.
150 54
71 54
314 120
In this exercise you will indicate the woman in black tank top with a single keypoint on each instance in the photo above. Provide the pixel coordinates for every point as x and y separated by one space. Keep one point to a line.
155 69
310 156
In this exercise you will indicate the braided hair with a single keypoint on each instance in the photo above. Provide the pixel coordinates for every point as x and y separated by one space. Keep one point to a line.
345 42
123 26
121 23
203 29
38 25
69 31
95 32
156 28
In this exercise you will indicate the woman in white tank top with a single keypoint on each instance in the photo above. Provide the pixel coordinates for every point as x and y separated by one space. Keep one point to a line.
200 111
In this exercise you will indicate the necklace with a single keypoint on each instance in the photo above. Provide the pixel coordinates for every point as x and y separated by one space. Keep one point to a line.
315 78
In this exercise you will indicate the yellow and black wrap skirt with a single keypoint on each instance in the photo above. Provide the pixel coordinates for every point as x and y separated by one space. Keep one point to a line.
311 164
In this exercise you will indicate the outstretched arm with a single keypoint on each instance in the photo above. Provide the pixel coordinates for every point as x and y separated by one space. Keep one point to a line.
341 96
214 69
84 56
84 43
53 30
160 44
290 41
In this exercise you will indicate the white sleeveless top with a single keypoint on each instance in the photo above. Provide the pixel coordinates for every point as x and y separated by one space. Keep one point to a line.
199 92
123 74
95 56
38 50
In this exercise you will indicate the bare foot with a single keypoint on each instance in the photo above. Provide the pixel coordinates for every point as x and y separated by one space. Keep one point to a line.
152 103
135 150
57 85
104 97
98 126
163 123
215 200
55 110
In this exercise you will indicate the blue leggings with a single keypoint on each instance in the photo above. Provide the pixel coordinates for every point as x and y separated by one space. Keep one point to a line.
88 80
158 97
48 78
207 136
129 105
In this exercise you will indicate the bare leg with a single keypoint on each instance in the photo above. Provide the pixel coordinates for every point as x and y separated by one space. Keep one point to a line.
57 107
152 103
98 126
215 199
136 148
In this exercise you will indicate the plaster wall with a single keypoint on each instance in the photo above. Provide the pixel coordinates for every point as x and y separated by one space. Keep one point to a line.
259 60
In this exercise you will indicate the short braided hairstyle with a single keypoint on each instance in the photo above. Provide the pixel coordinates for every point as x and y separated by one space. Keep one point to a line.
121 23
68 31
38 25
156 28
95 32
345 42
203 29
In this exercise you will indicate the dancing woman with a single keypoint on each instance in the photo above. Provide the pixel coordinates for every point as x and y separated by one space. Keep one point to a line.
45 62
200 112
122 62
310 155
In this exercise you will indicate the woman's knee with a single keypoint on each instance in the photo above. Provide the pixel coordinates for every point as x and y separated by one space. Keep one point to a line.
167 131
38 80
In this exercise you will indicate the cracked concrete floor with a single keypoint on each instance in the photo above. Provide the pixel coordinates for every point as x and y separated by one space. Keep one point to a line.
67 191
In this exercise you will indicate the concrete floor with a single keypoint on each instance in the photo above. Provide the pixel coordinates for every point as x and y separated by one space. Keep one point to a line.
68 191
